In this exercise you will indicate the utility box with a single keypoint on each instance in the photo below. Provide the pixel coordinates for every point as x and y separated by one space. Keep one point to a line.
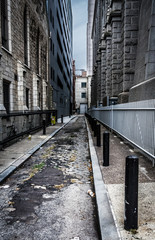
53 120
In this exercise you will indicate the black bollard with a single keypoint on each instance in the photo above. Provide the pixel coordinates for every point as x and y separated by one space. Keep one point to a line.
61 118
106 149
98 135
44 127
95 128
131 193
92 124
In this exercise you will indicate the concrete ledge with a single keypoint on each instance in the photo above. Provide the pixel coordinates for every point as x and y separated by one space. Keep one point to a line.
108 227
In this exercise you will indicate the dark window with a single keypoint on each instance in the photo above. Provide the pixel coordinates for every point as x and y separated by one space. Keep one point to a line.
59 42
83 95
53 49
59 83
51 45
51 15
27 97
6 95
37 54
53 22
83 84
39 103
4 23
53 75
59 63
25 37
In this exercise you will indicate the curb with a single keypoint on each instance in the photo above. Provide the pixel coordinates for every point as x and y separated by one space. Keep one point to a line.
19 161
108 228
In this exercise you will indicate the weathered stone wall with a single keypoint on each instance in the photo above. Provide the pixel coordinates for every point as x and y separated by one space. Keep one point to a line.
127 50
32 75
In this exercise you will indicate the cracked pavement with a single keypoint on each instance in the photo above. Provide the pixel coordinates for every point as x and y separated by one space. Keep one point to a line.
47 197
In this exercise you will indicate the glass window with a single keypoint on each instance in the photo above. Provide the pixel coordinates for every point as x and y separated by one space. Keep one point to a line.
83 84
83 95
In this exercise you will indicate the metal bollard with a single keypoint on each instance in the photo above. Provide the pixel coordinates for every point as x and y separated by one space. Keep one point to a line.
98 135
92 124
95 128
44 127
131 193
61 118
106 149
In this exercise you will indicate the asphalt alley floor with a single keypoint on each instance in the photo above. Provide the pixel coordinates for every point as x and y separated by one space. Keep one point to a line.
47 197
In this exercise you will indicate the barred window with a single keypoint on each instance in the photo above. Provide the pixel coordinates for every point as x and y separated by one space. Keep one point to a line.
4 23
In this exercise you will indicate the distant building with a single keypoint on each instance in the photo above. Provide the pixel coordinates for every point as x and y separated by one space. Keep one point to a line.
123 51
60 22
24 86
82 88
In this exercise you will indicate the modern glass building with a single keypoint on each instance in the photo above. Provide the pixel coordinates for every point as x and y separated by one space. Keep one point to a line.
60 24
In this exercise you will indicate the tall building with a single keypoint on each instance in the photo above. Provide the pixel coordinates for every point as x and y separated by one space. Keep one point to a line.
60 22
123 51
89 39
24 66
91 4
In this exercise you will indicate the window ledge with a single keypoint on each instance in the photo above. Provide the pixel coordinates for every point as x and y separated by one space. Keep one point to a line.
26 66
6 50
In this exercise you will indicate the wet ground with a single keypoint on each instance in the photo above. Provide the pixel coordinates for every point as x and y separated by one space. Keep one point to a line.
47 197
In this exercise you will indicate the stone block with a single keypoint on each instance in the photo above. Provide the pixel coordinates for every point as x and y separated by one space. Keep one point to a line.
143 91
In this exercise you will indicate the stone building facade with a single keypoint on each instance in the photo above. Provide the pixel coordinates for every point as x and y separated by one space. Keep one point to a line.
24 66
123 34
82 93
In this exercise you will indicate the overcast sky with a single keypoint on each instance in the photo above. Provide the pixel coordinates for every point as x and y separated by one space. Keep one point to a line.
79 11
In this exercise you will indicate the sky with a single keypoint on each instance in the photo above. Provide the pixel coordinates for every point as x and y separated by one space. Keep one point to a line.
79 11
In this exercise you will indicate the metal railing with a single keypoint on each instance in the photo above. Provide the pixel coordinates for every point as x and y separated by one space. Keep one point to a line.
134 121
17 124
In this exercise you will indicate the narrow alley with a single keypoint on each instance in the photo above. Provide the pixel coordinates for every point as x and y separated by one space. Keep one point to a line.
47 198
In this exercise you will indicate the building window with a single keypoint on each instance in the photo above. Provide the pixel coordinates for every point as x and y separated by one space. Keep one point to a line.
39 100
83 84
83 95
51 15
37 48
27 97
25 37
53 75
4 23
53 49
59 82
6 95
